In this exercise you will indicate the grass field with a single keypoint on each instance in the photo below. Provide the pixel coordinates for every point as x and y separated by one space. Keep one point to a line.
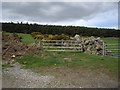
72 60
110 40
26 38
71 68
113 48
69 59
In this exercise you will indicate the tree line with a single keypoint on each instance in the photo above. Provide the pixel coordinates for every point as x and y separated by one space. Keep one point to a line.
57 29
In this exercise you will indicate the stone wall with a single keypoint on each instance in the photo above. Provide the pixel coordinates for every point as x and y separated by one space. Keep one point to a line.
92 45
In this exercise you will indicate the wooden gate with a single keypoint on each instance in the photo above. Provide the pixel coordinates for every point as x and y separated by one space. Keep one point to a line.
76 46
62 45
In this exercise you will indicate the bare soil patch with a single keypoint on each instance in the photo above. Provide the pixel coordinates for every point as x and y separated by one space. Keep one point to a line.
13 47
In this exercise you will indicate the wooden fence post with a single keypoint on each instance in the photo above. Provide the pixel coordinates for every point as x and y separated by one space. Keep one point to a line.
104 49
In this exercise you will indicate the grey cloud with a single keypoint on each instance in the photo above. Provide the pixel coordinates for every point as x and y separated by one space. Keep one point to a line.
53 11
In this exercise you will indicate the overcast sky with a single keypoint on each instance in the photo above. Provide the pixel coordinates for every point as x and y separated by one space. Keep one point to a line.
92 14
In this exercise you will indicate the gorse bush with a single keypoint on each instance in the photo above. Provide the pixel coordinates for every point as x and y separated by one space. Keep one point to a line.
39 35
36 33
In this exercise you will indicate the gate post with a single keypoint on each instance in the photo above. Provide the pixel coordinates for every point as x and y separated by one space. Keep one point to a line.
104 49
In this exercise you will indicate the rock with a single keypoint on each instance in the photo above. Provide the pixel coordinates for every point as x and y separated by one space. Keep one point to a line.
98 38
98 48
86 42
77 37
13 56
91 42
92 45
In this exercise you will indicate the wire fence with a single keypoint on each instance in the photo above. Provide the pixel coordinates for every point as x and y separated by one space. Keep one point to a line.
112 50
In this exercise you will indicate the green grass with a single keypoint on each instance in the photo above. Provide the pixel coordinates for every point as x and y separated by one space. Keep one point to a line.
110 40
26 38
71 60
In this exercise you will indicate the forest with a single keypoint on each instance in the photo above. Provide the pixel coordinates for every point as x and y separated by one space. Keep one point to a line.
27 28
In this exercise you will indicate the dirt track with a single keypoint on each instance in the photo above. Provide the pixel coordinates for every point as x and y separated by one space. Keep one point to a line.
16 77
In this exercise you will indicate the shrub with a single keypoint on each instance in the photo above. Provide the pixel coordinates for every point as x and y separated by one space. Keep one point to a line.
60 37
35 33
39 37
50 37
